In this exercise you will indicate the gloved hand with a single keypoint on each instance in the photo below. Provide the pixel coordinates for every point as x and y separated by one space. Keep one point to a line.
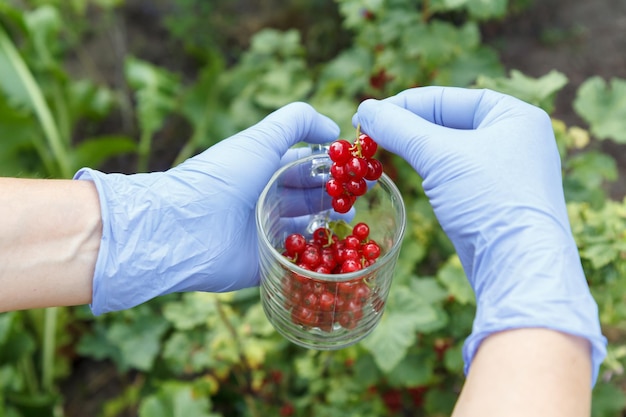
491 170
192 228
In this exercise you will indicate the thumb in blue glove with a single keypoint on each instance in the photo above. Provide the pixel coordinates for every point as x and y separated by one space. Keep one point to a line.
491 170
192 227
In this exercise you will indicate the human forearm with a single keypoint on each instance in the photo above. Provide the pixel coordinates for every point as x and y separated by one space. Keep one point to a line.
49 239
528 372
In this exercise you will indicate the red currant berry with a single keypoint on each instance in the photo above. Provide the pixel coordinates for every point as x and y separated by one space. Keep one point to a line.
357 187
371 250
327 301
342 204
339 151
294 244
350 265
374 170
328 258
322 236
351 254
352 242
356 167
345 289
323 269
311 256
339 172
334 187
362 293
338 249
304 316
310 300
368 146
361 231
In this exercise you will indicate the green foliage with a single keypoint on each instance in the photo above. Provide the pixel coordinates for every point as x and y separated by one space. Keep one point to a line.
42 105
205 355
541 91
603 106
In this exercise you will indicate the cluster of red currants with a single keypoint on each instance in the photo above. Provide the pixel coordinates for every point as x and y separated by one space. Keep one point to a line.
352 165
324 304
326 253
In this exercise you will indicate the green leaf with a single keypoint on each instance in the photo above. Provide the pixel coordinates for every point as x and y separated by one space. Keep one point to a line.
603 106
138 342
487 9
191 310
175 399
85 98
156 94
428 290
22 89
18 142
468 66
413 370
132 344
608 400
96 345
404 315
6 323
453 359
188 351
452 276
591 169
155 89
439 402
93 152
538 91
478 9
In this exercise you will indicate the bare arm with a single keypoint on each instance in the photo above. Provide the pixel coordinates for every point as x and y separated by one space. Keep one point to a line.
528 372
49 239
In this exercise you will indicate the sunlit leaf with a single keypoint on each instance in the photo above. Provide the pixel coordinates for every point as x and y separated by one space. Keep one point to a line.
452 276
538 91
92 152
404 316
603 106
175 399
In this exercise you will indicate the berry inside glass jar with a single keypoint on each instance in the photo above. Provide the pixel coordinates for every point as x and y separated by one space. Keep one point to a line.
329 305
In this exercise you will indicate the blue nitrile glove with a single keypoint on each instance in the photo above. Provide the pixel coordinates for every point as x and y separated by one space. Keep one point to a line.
192 228
492 172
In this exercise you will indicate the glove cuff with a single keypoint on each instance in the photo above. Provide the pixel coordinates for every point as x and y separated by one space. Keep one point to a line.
116 286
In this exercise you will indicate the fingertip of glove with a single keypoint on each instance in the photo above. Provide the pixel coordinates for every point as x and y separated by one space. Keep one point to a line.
328 128
321 128
366 113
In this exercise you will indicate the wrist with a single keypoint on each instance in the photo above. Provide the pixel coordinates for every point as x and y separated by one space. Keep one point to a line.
49 247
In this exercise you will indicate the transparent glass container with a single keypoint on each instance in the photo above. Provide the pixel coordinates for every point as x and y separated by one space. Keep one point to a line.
295 201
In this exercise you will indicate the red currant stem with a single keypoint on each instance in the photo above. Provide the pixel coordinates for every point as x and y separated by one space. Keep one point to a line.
357 143
329 237
369 281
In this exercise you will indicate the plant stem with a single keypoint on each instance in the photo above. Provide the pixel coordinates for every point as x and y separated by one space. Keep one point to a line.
145 142
233 332
28 371
49 347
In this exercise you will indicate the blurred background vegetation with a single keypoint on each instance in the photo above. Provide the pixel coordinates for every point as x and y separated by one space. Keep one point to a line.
137 85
